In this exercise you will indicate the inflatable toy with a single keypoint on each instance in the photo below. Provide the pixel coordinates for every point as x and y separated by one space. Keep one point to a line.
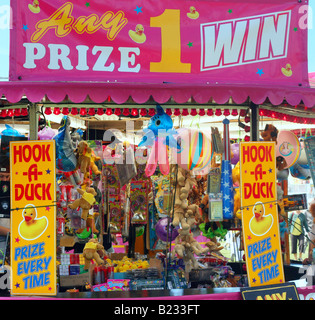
161 230
235 148
65 157
196 150
46 133
158 135
288 146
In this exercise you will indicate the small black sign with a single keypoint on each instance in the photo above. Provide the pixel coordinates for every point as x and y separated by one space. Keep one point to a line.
285 291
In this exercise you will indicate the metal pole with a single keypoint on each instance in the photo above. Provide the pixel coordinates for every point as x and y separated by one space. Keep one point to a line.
254 120
33 113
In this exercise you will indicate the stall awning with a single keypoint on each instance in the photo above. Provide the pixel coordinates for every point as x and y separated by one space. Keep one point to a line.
204 50
78 92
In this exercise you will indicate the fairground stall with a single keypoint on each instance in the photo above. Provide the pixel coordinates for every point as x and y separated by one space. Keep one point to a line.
147 149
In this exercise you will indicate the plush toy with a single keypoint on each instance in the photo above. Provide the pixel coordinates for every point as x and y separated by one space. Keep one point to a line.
237 201
85 202
186 247
93 250
86 158
270 133
280 163
236 175
185 183
204 206
213 246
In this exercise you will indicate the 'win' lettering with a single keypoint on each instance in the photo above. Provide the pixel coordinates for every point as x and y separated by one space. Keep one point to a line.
245 40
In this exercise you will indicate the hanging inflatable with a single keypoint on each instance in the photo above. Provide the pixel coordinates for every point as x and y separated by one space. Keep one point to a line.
46 133
288 146
300 171
196 150
165 231
65 157
235 148
158 135
9 131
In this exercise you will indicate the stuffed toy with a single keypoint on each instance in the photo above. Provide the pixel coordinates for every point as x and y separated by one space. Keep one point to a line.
280 163
86 158
270 133
213 246
236 175
204 206
85 202
185 183
237 203
93 250
186 247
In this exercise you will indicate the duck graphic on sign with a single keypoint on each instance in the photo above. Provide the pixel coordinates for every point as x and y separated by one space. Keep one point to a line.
260 223
31 227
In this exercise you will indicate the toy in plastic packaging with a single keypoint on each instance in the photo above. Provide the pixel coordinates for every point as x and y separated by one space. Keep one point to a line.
65 157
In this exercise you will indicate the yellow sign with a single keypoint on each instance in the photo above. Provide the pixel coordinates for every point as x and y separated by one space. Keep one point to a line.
260 224
33 218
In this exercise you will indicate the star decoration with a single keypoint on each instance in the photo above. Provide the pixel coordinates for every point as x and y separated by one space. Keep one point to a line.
295 29
254 280
271 205
25 27
249 238
47 208
17 240
87 4
138 9
48 171
270 170
17 285
189 44
230 11
260 72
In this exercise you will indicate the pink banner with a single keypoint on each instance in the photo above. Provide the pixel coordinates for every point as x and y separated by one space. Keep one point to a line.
200 42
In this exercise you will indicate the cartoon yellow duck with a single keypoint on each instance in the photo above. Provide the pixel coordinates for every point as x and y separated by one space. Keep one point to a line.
193 14
32 227
138 36
34 7
260 223
287 71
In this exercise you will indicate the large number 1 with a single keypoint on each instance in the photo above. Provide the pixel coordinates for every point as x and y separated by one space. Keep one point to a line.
169 22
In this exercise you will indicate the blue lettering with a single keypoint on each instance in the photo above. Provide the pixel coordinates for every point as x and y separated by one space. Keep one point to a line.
30 251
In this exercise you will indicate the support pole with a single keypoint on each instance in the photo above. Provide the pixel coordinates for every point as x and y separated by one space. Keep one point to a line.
254 122
33 113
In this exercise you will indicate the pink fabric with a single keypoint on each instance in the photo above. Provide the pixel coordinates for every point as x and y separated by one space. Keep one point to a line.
161 93
305 293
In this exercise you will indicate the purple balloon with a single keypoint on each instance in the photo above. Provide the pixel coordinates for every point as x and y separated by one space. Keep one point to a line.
235 148
161 230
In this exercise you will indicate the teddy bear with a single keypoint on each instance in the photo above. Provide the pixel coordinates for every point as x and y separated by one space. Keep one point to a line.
93 250
86 201
280 163
236 175
270 133
185 183
86 158
237 203
213 245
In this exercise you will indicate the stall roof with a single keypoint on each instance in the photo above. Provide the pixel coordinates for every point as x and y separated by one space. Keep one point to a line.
98 92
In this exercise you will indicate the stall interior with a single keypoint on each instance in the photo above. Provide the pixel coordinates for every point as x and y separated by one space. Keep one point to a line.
132 214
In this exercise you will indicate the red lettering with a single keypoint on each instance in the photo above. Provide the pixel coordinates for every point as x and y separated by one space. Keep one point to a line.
24 153
258 190
17 152
40 191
